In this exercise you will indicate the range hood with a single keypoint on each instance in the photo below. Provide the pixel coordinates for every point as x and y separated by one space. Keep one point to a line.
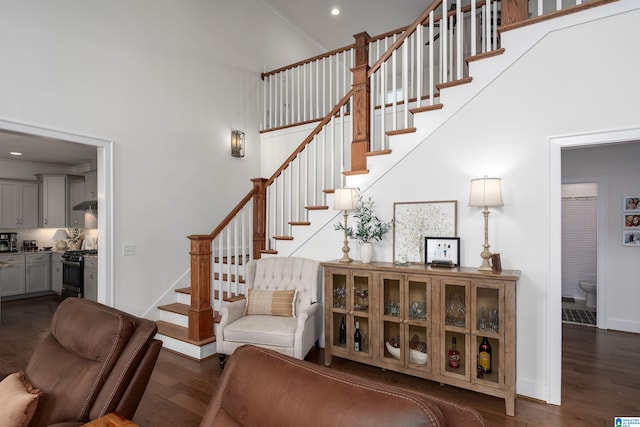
89 205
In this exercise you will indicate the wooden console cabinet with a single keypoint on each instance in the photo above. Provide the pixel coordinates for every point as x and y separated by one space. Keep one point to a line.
417 305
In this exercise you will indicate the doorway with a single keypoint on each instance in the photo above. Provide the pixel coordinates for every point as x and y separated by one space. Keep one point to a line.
579 252
105 196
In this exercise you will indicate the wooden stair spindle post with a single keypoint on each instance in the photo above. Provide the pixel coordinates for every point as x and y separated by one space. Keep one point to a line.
259 216
200 311
361 103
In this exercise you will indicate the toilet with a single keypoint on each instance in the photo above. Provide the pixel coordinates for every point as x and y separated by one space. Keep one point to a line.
590 288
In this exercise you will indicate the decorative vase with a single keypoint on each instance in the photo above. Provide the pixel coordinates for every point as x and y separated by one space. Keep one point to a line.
366 252
73 246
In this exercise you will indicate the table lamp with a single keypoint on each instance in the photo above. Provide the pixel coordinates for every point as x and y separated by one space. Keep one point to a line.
485 192
345 199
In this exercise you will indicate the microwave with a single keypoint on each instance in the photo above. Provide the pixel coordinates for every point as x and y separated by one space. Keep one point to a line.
8 242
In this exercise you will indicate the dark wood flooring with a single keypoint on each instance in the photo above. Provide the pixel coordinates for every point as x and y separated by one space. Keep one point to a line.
600 376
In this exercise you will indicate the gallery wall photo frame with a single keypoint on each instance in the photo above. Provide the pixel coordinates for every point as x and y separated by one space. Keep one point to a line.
413 221
631 220
442 250
631 203
631 238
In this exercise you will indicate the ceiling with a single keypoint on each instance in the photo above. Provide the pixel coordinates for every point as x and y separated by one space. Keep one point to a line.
312 17
40 149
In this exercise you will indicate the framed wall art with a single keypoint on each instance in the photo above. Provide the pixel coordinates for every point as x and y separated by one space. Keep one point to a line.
631 203
442 250
631 238
413 221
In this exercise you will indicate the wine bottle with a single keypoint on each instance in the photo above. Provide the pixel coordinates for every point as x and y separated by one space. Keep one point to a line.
357 338
454 355
343 333
485 355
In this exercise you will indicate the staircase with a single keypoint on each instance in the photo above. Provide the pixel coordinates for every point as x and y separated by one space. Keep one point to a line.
282 213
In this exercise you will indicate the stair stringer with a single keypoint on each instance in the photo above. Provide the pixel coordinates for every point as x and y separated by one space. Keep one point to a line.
484 72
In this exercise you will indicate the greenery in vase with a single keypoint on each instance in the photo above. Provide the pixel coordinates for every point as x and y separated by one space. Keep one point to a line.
369 227
75 235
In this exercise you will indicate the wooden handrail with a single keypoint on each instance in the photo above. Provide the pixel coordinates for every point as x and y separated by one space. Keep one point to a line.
309 138
306 61
409 30
232 214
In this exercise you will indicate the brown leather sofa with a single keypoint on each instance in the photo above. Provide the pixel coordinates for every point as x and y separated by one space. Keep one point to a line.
260 387
95 360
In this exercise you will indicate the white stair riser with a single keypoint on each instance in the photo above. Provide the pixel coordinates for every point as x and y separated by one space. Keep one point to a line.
187 349
175 318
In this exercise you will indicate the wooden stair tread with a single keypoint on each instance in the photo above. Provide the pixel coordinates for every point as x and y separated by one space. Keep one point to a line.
175 307
484 55
316 208
359 172
295 223
329 191
426 108
377 153
225 296
269 251
231 259
453 83
400 131
180 333
225 278
186 290
282 237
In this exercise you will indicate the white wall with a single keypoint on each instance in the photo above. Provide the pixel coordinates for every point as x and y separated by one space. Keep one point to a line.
619 163
166 81
576 80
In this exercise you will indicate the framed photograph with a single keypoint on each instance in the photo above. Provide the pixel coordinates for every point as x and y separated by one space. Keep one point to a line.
631 203
631 238
413 221
442 249
631 220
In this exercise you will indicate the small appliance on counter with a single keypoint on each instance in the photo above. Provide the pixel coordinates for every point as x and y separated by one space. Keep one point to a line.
8 242
29 246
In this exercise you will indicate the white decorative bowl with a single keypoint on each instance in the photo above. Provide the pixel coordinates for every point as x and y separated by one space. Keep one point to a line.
415 356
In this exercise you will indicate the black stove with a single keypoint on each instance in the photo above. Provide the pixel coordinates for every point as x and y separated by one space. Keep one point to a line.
77 255
73 272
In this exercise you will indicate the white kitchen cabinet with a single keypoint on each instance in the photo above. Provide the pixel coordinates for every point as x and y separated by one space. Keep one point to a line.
56 272
76 195
54 201
12 277
18 204
91 278
91 185
38 270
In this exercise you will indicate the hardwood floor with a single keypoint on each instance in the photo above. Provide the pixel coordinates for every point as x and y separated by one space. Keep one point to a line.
601 378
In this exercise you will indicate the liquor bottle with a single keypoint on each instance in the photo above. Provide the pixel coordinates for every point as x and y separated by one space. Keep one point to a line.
357 338
485 355
454 355
343 333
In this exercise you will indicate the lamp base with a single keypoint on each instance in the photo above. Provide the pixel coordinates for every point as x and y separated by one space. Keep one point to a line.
61 245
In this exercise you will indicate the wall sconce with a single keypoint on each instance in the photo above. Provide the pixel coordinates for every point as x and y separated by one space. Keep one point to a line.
485 192
237 143
345 199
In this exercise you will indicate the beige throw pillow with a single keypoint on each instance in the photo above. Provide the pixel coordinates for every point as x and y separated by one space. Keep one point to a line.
19 401
274 303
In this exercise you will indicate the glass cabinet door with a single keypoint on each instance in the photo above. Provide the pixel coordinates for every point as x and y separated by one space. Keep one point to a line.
488 325
405 300
456 343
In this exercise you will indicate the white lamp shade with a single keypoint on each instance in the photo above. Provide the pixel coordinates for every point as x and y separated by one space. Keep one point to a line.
485 192
345 199
60 234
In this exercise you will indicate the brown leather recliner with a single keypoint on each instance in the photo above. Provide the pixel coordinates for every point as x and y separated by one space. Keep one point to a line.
95 360
263 388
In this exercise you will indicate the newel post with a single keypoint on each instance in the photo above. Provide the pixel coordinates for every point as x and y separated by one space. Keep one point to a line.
200 311
514 11
259 216
361 102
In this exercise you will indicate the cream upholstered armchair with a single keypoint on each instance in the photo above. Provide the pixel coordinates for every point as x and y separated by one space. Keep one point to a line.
282 310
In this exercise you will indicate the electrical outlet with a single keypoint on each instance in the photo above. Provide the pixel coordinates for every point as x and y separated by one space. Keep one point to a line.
128 249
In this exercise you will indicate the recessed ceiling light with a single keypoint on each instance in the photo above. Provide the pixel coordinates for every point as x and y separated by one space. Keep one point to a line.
335 11
15 153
